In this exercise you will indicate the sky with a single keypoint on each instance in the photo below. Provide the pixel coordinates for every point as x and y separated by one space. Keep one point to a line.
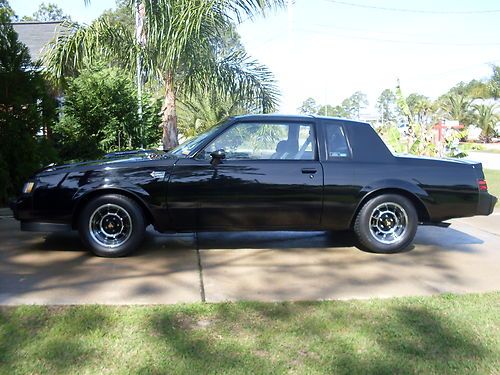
328 49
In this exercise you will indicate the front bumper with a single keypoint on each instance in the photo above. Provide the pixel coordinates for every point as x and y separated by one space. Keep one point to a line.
33 221
486 204
22 207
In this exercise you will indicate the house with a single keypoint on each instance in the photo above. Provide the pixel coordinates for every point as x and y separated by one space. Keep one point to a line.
35 35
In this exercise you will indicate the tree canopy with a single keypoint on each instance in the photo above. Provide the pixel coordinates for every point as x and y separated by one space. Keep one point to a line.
26 108
177 50
47 12
100 115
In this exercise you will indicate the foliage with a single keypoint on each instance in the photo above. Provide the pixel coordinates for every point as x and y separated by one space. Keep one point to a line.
392 137
177 51
452 144
25 109
421 108
6 11
48 12
486 119
309 107
455 106
353 104
100 115
494 83
335 111
472 89
349 108
386 106
444 334
418 136
202 110
121 16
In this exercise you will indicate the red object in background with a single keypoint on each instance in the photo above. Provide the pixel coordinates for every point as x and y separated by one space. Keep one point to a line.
440 126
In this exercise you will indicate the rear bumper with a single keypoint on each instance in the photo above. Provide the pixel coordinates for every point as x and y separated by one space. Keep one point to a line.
486 204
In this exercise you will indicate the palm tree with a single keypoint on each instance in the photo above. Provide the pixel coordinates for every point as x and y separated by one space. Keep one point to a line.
486 119
178 52
494 83
421 108
201 110
457 107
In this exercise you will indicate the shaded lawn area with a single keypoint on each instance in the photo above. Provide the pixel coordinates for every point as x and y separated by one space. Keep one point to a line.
493 180
440 334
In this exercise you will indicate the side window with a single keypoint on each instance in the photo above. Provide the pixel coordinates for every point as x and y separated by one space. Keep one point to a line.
336 143
264 141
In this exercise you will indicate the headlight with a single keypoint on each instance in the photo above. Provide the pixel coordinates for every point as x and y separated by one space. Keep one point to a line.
28 187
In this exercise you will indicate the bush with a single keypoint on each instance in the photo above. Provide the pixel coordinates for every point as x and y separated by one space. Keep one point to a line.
25 108
100 115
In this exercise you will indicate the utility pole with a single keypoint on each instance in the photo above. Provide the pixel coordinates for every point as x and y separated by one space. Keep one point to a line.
139 37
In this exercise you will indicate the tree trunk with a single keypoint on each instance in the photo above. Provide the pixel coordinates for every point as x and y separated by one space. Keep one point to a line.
169 114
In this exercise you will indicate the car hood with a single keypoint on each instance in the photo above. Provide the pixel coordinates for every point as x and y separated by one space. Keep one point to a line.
112 161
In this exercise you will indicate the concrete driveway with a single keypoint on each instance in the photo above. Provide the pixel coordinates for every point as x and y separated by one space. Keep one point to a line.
55 269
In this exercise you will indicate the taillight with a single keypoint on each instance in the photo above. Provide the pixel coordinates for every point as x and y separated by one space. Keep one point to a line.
482 185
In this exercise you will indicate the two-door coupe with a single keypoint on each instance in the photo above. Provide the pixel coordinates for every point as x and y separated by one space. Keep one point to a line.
262 172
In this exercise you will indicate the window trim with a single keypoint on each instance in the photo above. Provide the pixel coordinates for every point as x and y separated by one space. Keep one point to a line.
324 154
312 124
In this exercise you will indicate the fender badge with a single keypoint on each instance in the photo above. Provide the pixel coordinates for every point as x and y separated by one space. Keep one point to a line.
155 174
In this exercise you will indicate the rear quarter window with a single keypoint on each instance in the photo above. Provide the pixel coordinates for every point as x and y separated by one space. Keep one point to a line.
336 142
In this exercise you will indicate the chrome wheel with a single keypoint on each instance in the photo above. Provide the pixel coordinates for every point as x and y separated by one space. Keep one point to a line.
388 222
110 225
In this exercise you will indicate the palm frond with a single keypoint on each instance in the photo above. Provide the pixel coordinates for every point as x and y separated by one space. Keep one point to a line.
238 76
242 9
81 45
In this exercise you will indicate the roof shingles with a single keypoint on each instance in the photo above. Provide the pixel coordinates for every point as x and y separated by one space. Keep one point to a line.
35 35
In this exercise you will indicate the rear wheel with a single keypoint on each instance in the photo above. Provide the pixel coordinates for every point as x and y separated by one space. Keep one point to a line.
112 225
386 224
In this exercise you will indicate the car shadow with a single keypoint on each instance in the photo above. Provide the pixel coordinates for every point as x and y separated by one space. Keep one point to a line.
449 239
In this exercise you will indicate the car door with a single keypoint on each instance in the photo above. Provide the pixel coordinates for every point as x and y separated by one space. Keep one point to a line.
270 178
341 188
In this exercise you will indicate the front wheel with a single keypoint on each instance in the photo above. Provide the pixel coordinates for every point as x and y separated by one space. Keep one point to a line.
386 224
112 225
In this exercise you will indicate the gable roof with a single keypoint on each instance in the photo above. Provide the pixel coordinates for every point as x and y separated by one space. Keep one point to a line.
35 35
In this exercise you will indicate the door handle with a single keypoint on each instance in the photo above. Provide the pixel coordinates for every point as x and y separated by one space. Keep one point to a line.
309 170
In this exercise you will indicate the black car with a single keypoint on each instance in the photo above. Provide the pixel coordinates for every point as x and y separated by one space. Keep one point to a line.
262 172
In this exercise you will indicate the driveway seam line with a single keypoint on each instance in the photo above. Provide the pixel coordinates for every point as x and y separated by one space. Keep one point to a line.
481 229
200 269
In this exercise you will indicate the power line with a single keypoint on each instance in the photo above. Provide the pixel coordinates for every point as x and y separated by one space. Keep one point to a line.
399 33
419 11
400 41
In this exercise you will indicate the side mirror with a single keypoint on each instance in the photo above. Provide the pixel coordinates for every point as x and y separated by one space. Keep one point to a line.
218 154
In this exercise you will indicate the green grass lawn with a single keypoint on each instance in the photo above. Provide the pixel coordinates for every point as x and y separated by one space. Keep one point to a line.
479 147
432 335
490 150
493 180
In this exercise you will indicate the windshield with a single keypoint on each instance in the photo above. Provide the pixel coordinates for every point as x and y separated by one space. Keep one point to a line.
184 149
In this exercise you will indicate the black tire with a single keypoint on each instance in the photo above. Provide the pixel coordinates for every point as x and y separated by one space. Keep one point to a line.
112 215
381 215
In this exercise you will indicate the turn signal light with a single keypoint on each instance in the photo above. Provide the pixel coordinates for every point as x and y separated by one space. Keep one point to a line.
28 187
483 186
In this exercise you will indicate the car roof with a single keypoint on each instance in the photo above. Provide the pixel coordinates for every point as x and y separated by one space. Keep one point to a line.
283 117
